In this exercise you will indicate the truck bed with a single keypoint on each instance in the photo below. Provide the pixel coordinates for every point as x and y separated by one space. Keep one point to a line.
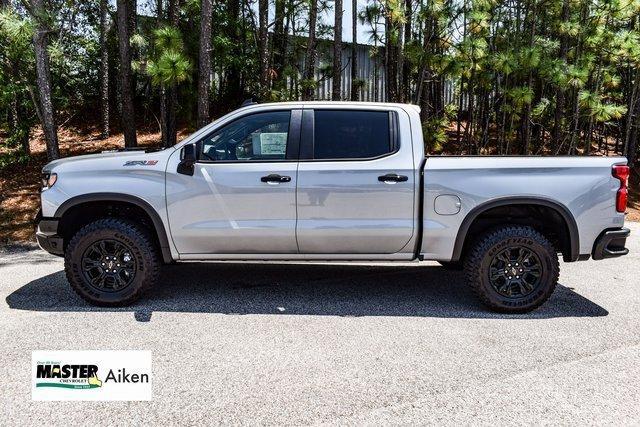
581 189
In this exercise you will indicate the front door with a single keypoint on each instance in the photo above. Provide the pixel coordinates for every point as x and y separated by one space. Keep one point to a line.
242 196
355 183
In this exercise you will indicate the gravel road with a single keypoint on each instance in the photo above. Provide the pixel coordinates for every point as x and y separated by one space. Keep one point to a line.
337 344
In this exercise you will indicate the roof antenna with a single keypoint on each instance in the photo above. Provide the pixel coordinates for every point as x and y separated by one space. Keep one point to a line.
248 101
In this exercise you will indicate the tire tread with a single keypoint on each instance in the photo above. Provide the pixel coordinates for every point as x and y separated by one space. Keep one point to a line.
134 231
473 262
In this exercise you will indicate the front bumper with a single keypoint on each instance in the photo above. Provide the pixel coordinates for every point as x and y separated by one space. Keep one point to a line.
610 244
47 235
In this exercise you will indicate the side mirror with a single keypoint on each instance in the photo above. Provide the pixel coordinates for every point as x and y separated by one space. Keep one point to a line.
187 160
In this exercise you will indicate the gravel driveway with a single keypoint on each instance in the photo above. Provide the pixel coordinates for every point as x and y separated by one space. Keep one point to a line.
338 344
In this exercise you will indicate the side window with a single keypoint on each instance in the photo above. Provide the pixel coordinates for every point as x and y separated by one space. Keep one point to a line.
260 136
351 134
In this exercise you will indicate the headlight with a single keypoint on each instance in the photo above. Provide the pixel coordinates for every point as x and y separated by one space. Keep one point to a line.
48 179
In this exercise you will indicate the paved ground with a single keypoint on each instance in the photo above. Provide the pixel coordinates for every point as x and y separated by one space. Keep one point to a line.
336 344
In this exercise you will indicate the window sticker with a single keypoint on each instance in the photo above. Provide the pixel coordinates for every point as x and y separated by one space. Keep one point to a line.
273 143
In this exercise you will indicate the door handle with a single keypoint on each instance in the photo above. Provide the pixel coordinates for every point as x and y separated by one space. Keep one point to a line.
275 178
392 177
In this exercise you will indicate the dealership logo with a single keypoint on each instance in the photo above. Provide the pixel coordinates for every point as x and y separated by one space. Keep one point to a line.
67 376
91 375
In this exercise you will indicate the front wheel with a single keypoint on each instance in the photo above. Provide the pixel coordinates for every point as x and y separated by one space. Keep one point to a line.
111 262
512 269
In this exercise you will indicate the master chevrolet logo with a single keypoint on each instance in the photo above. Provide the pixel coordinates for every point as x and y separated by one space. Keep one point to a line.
82 376
67 376
91 375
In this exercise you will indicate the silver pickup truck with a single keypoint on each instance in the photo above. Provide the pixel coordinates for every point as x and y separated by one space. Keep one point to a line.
333 181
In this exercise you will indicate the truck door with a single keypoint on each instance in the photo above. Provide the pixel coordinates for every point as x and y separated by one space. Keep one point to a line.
241 197
355 191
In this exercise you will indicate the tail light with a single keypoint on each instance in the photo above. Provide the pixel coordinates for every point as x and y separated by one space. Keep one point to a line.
622 173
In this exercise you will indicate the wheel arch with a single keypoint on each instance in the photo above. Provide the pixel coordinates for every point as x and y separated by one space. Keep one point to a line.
571 253
156 221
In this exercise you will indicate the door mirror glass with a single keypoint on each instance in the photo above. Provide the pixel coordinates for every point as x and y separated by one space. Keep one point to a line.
188 153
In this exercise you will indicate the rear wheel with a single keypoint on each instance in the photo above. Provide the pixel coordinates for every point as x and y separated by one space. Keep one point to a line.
512 269
111 262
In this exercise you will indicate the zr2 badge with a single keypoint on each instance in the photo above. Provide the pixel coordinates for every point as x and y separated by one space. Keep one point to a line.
141 163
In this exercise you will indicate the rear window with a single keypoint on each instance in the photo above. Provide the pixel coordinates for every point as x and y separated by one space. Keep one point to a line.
351 134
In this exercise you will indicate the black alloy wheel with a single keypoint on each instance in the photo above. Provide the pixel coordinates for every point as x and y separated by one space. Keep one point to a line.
515 272
512 268
108 265
112 261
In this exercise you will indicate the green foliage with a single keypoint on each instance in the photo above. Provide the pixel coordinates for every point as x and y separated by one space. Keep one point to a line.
308 83
13 157
541 108
17 29
520 97
434 134
601 111
358 84
138 41
434 130
507 63
170 65
168 39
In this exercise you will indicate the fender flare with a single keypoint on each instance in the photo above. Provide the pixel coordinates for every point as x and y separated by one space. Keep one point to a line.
158 225
563 211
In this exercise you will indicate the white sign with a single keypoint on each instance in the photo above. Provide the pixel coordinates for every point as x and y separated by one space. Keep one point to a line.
91 375
273 143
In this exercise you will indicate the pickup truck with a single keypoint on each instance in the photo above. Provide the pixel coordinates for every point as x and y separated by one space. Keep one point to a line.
329 181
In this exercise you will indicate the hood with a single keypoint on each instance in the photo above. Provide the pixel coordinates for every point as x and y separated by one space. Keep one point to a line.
105 155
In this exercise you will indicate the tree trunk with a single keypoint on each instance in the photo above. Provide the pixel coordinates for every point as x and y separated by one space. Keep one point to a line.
43 78
204 74
560 92
526 117
336 88
633 114
279 45
308 90
375 59
390 63
163 92
133 17
104 68
233 93
406 67
576 106
354 50
172 89
263 45
133 51
128 110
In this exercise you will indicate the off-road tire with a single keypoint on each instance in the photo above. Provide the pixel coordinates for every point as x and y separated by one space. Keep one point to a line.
488 246
128 233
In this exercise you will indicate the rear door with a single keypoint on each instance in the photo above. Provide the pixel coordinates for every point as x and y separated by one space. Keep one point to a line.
356 183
